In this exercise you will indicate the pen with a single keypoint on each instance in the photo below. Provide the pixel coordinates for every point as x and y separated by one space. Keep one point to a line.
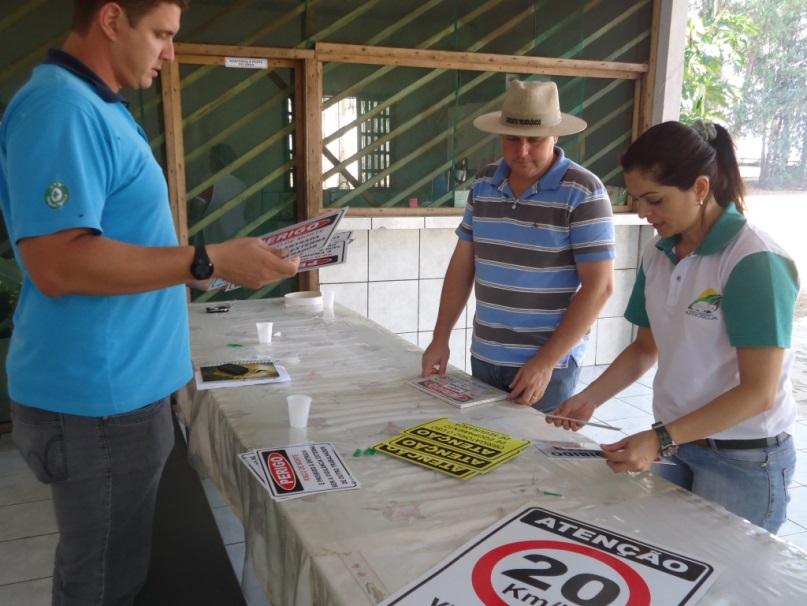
600 425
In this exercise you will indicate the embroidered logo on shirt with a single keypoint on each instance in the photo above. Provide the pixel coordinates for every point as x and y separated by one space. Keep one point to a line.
57 195
706 305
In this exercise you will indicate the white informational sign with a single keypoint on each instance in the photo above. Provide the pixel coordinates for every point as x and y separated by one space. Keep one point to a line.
299 470
543 558
246 63
459 390
334 253
308 240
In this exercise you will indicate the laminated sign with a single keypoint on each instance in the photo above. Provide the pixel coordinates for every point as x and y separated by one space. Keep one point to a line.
542 558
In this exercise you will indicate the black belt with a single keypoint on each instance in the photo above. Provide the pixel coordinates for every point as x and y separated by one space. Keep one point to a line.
744 444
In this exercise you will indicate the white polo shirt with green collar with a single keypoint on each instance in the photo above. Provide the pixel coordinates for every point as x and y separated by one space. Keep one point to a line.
737 289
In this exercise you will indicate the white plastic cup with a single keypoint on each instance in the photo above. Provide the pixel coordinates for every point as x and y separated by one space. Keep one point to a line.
299 407
264 332
327 299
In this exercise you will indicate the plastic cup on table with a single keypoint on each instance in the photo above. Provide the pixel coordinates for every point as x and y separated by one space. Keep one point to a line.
327 299
299 407
264 332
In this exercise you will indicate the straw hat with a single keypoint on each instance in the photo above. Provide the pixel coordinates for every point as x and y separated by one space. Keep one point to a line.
531 109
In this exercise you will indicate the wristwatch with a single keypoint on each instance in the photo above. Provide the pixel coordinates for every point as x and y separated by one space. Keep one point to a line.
201 266
667 446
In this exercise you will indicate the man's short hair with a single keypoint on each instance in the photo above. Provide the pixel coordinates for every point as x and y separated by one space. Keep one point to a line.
85 10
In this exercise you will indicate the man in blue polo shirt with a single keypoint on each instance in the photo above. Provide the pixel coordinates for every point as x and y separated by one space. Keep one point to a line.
100 331
537 244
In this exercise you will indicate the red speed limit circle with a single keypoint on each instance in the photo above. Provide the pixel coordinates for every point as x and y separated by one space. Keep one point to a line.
481 577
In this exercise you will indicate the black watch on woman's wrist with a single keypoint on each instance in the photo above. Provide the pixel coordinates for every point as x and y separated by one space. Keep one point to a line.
201 266
667 446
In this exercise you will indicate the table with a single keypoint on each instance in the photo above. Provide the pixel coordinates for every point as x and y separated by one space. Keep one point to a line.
353 548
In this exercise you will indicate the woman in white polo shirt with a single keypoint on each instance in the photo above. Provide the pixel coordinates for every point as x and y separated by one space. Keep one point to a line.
713 301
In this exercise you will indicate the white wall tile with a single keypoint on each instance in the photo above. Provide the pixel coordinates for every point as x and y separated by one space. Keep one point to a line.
443 222
613 335
646 233
590 357
398 222
429 305
393 254
412 337
394 305
627 246
436 248
456 346
352 296
354 269
469 336
355 223
623 286
470 310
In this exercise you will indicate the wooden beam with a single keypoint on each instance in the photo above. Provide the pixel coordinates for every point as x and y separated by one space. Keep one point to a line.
174 147
232 50
382 55
308 118
440 211
220 61
649 80
311 186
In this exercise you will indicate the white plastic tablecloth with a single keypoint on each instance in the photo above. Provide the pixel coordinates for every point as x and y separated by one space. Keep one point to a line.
352 548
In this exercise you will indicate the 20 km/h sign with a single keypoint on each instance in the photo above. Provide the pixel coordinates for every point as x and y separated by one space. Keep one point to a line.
541 558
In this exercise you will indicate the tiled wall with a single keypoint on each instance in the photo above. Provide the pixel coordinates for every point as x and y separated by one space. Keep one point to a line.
394 275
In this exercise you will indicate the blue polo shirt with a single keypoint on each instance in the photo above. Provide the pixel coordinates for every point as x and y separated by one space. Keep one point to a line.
72 156
526 251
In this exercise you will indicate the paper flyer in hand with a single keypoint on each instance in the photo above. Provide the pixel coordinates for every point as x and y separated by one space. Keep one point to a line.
258 372
537 556
573 450
308 240
458 390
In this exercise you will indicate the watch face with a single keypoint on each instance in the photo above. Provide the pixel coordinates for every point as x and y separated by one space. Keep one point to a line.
201 268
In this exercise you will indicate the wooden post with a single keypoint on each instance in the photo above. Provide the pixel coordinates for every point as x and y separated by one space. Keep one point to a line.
308 155
175 148
649 80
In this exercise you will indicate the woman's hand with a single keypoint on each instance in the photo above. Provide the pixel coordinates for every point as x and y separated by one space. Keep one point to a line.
634 453
579 406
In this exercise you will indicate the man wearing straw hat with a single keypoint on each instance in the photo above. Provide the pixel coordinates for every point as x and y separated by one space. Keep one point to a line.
537 243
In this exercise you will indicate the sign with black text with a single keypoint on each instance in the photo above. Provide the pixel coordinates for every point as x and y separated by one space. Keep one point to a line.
542 558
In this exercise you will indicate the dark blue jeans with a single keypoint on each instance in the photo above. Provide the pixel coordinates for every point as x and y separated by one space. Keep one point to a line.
104 473
561 385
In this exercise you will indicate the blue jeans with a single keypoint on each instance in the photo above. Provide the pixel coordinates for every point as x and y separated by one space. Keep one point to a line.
751 483
561 385
104 473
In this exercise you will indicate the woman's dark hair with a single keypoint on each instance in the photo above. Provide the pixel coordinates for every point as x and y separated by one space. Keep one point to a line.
84 10
676 154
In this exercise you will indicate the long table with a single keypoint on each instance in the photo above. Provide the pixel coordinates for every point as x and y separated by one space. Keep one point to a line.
353 548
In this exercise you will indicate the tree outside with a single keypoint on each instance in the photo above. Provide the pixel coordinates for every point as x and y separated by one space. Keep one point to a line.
746 66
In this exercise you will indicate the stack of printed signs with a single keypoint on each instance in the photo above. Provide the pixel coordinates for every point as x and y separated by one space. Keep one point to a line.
315 241
459 390
460 450
299 470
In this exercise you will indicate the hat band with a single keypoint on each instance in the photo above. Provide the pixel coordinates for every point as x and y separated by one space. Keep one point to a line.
522 121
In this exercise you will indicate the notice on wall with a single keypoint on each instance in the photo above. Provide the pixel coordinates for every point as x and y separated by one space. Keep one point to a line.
540 557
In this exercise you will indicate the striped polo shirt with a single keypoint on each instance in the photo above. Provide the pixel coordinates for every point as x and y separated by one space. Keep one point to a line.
526 252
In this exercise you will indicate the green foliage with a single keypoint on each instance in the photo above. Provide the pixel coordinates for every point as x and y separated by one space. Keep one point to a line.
774 89
715 47
746 66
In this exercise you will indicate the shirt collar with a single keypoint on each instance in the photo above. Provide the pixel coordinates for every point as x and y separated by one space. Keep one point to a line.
727 226
76 67
551 178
